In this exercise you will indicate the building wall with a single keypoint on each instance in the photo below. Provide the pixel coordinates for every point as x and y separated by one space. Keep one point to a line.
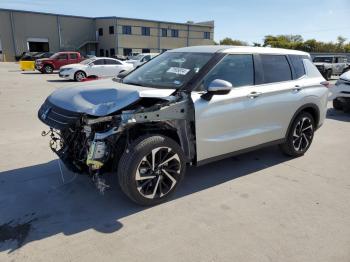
31 25
73 32
6 36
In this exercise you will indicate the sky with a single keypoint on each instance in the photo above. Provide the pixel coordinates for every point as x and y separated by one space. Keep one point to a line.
246 20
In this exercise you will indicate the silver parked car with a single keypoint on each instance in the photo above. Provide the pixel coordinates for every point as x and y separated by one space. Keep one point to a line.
190 105
329 65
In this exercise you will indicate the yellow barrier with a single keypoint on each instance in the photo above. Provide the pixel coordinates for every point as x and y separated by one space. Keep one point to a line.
27 65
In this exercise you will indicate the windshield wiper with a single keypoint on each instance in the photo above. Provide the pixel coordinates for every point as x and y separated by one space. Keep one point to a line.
133 83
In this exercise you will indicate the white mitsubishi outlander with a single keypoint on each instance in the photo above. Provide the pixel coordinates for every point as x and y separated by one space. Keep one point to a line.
190 105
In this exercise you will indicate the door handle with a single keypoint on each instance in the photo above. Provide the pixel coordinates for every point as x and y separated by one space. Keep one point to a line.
254 94
297 88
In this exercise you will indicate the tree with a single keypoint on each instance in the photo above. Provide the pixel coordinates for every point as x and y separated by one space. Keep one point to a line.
229 41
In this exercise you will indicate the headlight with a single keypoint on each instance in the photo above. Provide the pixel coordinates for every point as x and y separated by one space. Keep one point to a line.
65 69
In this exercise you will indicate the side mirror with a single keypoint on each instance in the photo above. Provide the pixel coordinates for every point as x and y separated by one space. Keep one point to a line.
217 87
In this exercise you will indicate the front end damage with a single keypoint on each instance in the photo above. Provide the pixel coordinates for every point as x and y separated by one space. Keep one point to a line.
93 145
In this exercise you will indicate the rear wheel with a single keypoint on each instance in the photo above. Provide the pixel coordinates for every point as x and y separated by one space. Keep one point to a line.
337 105
300 135
151 169
79 76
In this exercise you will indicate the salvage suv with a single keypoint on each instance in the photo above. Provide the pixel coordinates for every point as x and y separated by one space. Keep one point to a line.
331 65
187 106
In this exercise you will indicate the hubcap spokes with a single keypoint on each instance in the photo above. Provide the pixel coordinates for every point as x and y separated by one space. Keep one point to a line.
302 135
158 172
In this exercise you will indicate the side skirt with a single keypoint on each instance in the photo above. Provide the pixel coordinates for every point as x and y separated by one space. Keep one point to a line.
239 152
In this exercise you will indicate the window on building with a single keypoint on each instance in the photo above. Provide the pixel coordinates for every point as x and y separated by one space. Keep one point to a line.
127 30
275 68
164 32
298 65
127 51
174 33
206 35
100 31
112 51
102 52
146 50
146 31
107 53
236 69
111 30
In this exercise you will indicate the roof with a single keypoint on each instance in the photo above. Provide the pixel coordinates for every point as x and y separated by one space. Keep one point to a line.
237 49
202 24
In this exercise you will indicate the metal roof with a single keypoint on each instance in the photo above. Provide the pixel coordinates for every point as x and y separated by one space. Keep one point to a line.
202 24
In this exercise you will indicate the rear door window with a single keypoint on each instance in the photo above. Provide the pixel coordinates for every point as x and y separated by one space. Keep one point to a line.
298 65
236 69
275 68
111 62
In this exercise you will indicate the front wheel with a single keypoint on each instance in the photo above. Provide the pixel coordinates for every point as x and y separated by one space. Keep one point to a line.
300 135
151 169
79 76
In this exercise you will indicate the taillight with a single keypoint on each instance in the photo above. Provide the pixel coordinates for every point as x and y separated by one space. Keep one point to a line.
326 84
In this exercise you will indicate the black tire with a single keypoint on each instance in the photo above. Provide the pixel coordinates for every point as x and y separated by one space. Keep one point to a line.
346 105
328 74
298 137
337 105
79 76
137 160
48 69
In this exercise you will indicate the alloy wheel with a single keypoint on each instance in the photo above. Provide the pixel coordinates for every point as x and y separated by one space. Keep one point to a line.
80 76
303 134
158 173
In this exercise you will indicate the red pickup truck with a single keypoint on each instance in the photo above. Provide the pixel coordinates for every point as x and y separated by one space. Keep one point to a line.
48 65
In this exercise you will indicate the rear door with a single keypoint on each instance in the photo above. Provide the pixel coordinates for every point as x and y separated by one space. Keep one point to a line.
280 93
73 57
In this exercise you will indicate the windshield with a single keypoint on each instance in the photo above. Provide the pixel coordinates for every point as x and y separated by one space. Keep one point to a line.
169 70
323 59
138 57
87 61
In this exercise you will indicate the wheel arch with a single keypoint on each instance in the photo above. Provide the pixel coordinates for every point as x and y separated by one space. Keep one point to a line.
177 130
310 108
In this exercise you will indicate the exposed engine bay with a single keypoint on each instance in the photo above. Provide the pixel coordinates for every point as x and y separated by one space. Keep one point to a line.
90 144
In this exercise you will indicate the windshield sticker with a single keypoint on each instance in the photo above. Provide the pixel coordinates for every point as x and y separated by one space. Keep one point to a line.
178 70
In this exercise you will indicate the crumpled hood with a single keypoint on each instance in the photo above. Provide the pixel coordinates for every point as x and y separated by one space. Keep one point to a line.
102 97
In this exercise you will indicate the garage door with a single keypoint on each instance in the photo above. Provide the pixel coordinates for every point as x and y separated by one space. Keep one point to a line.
38 45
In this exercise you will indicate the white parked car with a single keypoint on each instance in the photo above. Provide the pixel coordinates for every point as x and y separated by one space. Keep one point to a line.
341 93
96 67
141 59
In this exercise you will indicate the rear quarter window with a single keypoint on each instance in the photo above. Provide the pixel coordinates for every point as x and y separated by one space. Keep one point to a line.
275 68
